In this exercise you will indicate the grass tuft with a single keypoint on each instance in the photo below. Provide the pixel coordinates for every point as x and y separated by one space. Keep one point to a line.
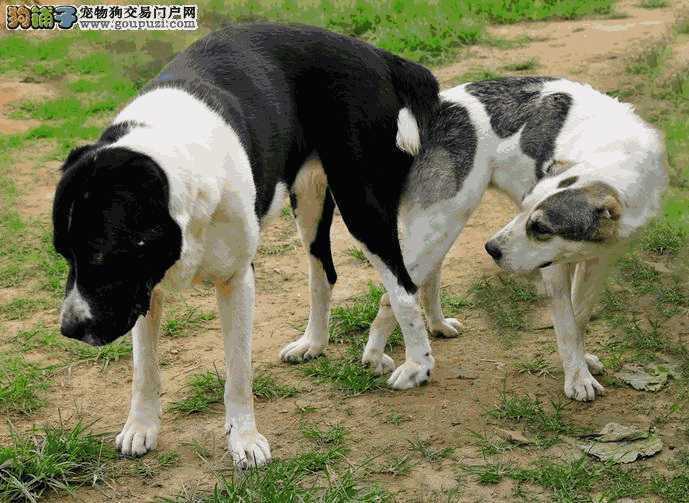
506 300
52 459
21 385
179 324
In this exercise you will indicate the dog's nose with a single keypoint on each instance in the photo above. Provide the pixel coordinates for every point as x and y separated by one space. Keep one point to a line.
494 250
73 329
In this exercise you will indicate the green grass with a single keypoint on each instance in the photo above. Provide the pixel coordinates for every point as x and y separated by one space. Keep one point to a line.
357 255
476 74
409 28
425 449
531 413
22 385
653 4
649 62
52 459
522 66
346 374
179 323
22 308
206 389
506 300
539 367
309 477
45 338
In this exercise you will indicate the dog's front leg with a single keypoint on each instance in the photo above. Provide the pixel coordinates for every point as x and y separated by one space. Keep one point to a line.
579 383
140 432
236 306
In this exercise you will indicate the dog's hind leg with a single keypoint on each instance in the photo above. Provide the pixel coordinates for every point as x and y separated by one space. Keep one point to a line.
438 325
313 206
140 432
579 383
236 306
588 279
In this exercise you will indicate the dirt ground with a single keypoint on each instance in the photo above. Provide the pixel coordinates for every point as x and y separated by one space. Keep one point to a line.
445 411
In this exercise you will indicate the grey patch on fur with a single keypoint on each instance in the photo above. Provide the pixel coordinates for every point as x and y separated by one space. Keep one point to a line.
516 102
566 182
574 214
446 157
541 130
509 102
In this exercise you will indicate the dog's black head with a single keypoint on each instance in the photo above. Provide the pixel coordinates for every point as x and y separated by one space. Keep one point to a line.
112 224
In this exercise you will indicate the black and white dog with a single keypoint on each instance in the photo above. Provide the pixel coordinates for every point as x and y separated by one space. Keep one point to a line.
585 170
179 186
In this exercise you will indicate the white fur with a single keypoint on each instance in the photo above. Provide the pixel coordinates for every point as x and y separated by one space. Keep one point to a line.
408 138
212 198
75 307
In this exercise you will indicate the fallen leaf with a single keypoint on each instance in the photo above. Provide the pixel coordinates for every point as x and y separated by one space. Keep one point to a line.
651 377
621 444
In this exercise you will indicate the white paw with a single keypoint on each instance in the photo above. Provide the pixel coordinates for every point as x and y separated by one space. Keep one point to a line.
411 374
582 386
594 364
378 362
301 350
138 436
449 327
248 448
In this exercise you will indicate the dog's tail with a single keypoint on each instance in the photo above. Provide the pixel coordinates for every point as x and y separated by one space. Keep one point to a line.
418 89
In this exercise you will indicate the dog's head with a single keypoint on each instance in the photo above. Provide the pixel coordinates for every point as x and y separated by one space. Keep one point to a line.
112 224
562 220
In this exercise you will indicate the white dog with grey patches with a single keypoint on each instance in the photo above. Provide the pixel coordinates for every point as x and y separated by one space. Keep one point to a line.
586 171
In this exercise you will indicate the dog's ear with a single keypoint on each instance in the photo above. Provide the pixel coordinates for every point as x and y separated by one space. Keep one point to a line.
75 155
610 208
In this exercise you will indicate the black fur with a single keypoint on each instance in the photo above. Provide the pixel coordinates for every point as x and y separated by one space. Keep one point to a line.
105 206
320 248
516 102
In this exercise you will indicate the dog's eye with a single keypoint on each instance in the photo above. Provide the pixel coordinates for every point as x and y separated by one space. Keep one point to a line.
540 230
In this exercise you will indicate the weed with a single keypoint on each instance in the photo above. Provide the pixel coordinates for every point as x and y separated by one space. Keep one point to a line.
179 324
539 366
357 254
348 375
650 61
277 248
504 300
522 66
267 388
208 388
477 74
653 4
52 459
21 385
490 446
396 466
530 411
21 308
427 452
334 436
664 238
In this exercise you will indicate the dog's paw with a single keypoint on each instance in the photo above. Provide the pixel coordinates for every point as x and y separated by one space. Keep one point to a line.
411 374
138 436
582 386
378 362
594 364
448 328
301 350
248 448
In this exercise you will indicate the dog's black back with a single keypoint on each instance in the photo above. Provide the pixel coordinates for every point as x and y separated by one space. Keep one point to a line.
290 91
